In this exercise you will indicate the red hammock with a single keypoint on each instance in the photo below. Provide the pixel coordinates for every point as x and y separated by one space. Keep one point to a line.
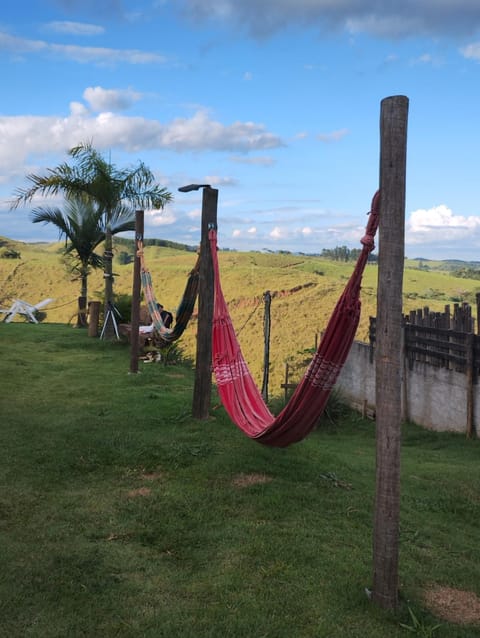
237 390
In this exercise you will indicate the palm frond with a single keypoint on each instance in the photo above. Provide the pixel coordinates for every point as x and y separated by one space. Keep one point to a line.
47 215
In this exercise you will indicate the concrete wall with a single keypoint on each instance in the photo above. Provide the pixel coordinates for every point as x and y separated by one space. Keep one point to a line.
433 397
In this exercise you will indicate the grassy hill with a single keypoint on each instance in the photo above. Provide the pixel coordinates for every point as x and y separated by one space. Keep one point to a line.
304 292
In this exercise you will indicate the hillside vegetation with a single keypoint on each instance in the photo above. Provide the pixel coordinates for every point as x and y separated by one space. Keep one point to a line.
304 292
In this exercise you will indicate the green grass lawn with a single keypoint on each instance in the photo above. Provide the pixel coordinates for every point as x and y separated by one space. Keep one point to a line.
121 516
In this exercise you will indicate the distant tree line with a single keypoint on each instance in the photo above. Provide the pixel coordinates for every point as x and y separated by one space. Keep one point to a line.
342 253
467 273
164 243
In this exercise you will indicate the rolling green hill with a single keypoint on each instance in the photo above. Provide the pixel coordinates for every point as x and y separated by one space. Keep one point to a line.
304 292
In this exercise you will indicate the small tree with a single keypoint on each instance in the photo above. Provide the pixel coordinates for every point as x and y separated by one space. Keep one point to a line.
115 191
80 223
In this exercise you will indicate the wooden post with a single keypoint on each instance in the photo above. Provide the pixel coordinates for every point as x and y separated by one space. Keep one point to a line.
202 389
94 314
393 143
477 298
469 345
287 380
136 291
267 297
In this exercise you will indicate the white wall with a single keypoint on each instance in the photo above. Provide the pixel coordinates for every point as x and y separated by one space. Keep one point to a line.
433 397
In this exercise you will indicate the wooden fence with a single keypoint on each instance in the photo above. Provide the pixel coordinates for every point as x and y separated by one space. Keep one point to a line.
439 339
443 339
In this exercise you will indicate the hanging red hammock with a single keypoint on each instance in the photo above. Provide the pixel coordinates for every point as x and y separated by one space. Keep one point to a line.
237 390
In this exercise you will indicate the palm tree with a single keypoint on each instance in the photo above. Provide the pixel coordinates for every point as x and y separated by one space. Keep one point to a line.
116 192
81 225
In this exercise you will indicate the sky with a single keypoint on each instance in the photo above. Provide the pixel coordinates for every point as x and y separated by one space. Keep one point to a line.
276 103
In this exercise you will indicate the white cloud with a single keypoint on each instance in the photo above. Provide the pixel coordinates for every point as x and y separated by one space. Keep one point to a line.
94 55
75 28
438 224
255 161
278 233
101 99
387 19
24 137
250 233
77 109
390 25
217 181
334 136
164 217
200 132
472 51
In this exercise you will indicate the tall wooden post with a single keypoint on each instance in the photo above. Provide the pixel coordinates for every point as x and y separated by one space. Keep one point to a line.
94 314
136 291
477 298
267 297
469 345
393 144
202 389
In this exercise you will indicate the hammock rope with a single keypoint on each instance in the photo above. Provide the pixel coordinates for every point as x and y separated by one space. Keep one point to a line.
236 387
185 307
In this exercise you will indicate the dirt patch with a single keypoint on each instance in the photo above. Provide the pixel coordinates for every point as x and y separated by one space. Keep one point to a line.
152 476
141 491
245 480
454 605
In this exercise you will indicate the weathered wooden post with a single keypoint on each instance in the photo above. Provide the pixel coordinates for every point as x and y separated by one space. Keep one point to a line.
477 299
267 298
94 314
469 362
393 144
202 389
136 291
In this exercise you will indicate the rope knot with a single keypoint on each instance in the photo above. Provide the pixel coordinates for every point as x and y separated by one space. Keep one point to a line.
371 229
368 242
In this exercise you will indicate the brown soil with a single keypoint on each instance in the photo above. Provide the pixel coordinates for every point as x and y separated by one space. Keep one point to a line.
141 491
244 480
454 605
152 476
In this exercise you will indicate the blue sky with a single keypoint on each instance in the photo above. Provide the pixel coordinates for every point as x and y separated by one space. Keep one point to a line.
274 102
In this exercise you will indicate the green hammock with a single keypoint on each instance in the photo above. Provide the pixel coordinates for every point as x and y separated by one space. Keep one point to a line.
185 307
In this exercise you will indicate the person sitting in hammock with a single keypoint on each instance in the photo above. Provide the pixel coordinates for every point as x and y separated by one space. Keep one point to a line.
167 319
166 316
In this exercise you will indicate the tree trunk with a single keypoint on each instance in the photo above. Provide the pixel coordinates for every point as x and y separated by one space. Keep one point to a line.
109 316
82 300
389 350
